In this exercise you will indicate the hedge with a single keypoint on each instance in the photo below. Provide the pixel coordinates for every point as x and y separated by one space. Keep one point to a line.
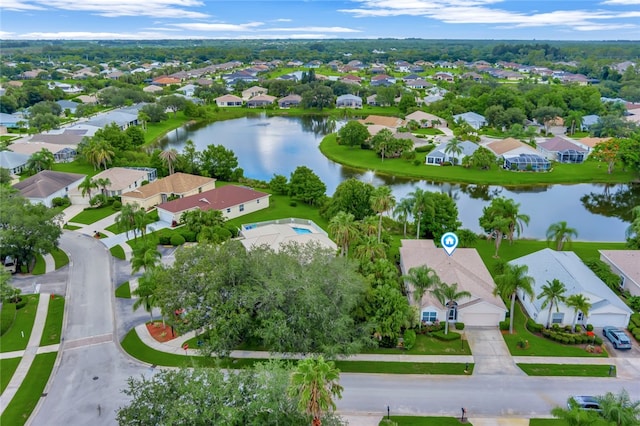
452 335
504 325
459 326
177 240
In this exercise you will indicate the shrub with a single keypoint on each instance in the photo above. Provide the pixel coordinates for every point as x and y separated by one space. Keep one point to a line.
597 340
589 327
533 326
417 162
232 229
504 325
578 328
98 200
177 240
21 303
60 202
635 318
117 205
446 163
459 326
425 148
466 238
7 316
409 339
567 328
164 240
452 335
189 236
293 204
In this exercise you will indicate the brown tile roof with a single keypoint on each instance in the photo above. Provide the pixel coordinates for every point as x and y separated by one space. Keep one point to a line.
177 183
559 144
506 145
217 199
627 261
382 121
46 183
167 80
592 142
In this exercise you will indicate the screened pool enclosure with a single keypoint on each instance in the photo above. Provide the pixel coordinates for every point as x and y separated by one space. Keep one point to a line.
527 162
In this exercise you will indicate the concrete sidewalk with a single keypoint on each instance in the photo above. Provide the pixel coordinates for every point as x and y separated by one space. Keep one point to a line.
29 353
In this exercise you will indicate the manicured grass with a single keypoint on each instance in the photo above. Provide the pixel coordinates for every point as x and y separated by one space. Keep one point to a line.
427 345
60 258
40 267
137 349
427 131
124 291
540 346
8 367
424 421
91 215
577 370
20 408
12 340
77 166
72 227
113 228
587 172
559 422
118 252
53 324
157 130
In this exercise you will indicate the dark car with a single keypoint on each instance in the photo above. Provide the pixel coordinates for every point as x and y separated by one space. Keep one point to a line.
617 337
584 402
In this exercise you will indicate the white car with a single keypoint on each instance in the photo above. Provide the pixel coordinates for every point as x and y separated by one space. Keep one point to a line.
617 337
584 402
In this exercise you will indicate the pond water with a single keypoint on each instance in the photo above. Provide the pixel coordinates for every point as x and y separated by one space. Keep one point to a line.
277 145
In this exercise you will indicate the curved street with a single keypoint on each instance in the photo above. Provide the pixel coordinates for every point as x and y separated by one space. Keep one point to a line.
92 369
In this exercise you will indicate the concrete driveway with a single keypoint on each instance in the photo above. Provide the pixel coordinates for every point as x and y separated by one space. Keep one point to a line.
490 352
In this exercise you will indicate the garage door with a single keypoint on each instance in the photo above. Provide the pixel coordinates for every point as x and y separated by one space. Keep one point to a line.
608 319
478 319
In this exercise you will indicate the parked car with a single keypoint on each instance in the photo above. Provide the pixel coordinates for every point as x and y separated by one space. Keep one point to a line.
584 402
9 264
617 337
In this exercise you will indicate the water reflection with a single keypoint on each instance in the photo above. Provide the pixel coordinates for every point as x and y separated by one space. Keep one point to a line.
277 145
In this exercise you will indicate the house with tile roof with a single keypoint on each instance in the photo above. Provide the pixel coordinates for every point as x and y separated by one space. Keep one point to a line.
289 101
253 91
349 101
546 265
626 264
440 155
425 119
46 185
509 147
177 185
231 200
261 101
122 180
228 101
61 153
465 268
562 150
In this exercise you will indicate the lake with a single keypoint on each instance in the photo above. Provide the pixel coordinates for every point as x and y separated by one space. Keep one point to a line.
277 145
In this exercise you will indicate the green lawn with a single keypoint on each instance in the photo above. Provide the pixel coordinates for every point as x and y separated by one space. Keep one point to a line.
137 349
423 421
577 370
53 324
157 130
124 291
60 258
427 345
20 408
77 166
113 228
427 131
560 422
91 215
40 267
72 227
118 252
8 367
12 340
540 346
587 172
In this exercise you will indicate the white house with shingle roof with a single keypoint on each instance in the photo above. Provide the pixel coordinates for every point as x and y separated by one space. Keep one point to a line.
546 265
465 268
228 101
176 185
122 180
440 155
13 161
43 187
473 119
625 263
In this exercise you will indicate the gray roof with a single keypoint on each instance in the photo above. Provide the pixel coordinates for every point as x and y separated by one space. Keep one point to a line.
469 116
11 160
118 117
46 183
468 148
547 265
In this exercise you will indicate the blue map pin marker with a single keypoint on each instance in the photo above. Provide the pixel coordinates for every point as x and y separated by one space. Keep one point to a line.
449 242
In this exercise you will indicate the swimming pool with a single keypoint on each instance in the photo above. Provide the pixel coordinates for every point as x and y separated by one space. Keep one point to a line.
301 230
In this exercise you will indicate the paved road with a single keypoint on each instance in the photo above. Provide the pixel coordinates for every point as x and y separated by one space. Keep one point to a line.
86 387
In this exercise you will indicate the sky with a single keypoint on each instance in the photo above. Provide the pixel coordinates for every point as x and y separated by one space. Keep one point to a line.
320 19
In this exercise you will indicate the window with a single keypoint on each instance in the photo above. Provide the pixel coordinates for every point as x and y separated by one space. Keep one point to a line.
621 285
241 207
229 210
200 190
580 317
258 201
557 318
429 316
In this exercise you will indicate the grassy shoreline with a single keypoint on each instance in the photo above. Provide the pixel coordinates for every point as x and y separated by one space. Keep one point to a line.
588 172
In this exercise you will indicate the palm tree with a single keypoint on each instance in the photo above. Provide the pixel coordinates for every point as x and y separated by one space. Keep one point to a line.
370 249
575 416
143 118
41 160
87 185
98 152
620 409
382 200
552 293
140 221
145 256
514 279
146 295
454 149
516 219
170 157
422 278
580 303
402 212
368 226
315 384
448 295
125 221
560 233
103 183
574 119
344 230
422 206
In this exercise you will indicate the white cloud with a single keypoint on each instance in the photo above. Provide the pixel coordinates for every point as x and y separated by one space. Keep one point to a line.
316 29
19 5
88 35
6 34
283 20
117 8
622 2
203 26
480 12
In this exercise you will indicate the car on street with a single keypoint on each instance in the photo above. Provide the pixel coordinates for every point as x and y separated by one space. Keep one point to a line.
584 402
617 337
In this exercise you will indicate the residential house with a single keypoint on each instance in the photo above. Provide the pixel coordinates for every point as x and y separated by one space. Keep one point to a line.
43 187
261 101
349 101
228 101
509 147
589 143
440 155
443 76
88 99
390 122
588 121
177 185
351 79
232 201
289 101
562 150
382 80
626 264
467 270
275 234
61 153
188 90
527 162
13 161
152 88
166 81
425 119
68 105
252 92
473 119
546 265
372 100
122 180
10 121
121 118
418 84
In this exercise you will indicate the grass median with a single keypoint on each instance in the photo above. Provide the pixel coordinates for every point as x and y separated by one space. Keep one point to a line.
137 349
92 215
422 421
53 325
568 370
24 401
124 290
17 336
8 366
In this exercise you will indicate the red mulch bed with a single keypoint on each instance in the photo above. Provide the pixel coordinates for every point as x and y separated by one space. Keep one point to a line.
159 332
